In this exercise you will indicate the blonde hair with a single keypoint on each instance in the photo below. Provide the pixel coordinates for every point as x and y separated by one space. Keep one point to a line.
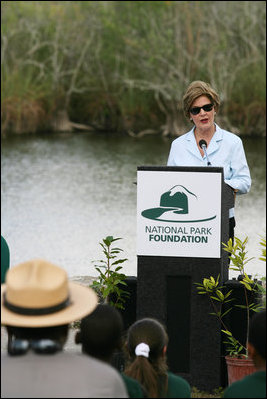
196 89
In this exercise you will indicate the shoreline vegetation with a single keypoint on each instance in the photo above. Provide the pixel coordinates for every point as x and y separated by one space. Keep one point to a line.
70 66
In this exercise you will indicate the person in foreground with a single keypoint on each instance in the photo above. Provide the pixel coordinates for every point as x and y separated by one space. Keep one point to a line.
221 149
37 305
101 335
5 259
146 347
253 385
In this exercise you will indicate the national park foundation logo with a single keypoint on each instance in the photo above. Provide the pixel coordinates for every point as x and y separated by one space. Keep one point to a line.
175 206
178 205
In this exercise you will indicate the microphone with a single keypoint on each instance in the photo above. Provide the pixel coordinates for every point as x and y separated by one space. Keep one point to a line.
203 145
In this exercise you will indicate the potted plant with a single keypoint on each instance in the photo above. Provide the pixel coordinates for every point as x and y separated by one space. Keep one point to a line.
238 362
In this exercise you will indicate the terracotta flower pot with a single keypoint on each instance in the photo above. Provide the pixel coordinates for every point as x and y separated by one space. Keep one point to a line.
238 368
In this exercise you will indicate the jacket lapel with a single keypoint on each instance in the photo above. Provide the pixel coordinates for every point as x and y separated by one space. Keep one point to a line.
213 145
215 141
191 144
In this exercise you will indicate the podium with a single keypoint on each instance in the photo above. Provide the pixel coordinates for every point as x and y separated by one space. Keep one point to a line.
182 220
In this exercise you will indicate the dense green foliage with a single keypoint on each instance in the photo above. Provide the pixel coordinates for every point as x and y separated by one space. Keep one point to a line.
124 65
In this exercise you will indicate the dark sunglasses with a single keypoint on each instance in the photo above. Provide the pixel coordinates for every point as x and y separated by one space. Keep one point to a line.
21 346
206 108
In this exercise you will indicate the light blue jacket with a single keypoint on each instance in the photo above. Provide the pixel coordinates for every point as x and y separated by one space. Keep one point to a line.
225 149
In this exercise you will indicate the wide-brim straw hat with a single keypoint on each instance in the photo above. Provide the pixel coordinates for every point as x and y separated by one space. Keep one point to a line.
38 293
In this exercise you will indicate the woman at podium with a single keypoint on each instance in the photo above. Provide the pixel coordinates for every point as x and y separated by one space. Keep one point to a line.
207 144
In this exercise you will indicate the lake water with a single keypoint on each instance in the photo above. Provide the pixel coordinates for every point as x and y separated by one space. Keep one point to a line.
63 193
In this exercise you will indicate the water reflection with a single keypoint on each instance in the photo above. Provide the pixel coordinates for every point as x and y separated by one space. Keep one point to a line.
62 193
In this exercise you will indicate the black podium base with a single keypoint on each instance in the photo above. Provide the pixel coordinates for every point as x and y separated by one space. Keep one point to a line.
166 291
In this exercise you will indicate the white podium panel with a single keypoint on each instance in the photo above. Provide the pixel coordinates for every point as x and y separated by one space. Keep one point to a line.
179 213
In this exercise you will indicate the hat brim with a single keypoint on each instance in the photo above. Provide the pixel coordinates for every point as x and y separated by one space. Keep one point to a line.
155 213
83 301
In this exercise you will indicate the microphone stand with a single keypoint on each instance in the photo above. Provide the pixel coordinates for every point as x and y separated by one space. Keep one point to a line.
205 152
203 145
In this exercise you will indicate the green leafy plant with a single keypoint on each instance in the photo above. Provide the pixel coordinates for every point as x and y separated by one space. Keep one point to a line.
263 249
110 279
217 393
218 299
262 284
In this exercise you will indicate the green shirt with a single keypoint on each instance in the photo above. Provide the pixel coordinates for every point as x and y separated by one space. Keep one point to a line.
4 259
178 387
133 387
251 386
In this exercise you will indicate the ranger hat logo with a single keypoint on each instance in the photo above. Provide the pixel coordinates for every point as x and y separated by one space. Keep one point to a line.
178 205
174 201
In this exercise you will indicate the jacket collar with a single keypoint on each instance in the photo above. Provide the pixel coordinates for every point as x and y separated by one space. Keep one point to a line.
213 145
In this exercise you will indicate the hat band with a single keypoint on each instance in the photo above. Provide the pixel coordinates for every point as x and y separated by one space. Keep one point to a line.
35 311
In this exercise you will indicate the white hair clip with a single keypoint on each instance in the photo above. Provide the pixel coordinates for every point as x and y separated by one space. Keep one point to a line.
142 350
